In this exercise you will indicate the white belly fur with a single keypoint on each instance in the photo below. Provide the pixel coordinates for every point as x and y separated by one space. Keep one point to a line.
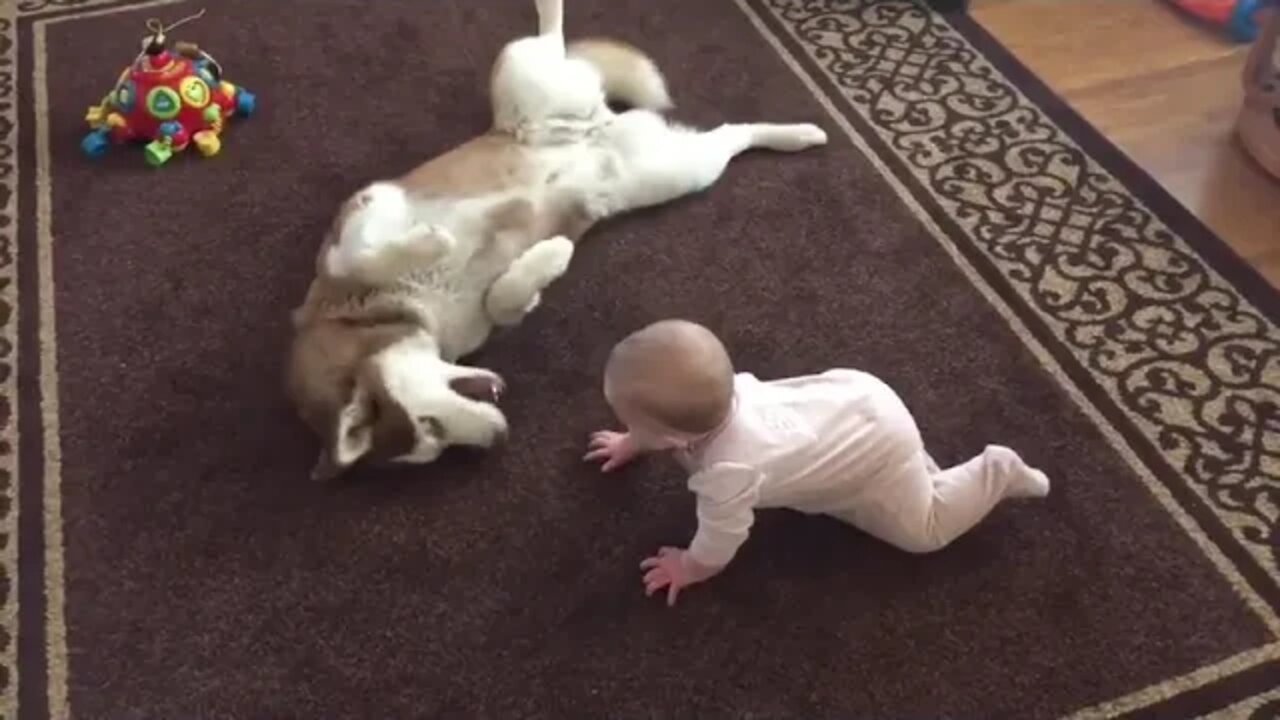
377 240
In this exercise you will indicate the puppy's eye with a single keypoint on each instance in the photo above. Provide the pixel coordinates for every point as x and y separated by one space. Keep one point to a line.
431 425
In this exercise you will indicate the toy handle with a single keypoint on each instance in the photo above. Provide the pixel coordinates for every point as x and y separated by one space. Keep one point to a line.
193 52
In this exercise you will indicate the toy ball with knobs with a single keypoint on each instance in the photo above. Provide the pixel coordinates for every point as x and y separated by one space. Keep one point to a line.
168 99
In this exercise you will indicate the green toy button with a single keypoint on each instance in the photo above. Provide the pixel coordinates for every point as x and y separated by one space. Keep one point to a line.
157 153
163 103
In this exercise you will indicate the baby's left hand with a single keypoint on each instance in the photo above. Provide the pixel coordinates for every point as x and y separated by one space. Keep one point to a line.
673 569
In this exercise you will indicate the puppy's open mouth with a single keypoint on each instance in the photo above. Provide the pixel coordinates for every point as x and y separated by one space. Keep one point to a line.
481 388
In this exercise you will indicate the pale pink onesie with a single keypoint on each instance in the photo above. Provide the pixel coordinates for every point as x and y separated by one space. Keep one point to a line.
841 443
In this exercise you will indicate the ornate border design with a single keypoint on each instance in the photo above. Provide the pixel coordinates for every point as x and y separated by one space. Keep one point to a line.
1190 362
30 7
8 366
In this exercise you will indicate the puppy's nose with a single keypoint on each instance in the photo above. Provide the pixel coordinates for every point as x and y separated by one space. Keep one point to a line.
497 388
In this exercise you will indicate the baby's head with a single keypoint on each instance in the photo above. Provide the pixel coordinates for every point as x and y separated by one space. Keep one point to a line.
672 381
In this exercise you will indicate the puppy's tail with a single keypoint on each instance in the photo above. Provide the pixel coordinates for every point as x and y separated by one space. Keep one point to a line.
627 73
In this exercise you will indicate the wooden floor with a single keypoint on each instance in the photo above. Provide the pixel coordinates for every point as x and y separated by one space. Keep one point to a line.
1163 89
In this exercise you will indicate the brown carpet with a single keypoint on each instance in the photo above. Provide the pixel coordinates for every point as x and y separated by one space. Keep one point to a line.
964 235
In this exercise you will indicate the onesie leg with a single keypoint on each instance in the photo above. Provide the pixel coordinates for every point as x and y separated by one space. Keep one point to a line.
931 465
919 511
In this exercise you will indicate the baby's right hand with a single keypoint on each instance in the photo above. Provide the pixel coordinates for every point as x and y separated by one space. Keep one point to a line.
616 449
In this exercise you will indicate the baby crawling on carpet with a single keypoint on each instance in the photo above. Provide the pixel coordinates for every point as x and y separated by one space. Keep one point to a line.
841 443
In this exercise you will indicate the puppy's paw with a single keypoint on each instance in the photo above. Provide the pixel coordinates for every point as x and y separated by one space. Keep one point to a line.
547 260
428 242
509 309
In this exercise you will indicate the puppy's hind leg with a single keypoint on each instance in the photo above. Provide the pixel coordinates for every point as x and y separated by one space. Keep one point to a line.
519 290
786 138
669 162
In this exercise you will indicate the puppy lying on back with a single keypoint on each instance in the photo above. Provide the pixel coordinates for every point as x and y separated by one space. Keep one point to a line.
417 271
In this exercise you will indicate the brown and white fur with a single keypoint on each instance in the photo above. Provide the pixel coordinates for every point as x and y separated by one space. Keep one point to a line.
417 271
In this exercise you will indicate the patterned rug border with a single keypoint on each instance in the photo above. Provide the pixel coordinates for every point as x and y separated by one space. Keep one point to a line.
1252 693
1192 229
1231 695
1222 683
46 8
11 532
1210 248
1207 518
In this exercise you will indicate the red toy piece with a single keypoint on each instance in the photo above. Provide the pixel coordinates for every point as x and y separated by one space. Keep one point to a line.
168 99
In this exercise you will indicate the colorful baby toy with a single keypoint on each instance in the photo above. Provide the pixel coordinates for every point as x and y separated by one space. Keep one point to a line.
1239 17
168 99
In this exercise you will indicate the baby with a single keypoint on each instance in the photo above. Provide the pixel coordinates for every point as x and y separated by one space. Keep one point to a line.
840 443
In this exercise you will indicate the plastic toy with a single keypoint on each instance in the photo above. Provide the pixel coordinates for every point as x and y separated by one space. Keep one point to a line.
1239 17
168 99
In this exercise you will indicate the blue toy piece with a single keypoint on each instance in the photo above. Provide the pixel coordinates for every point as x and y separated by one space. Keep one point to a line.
1238 18
1244 21
246 102
96 143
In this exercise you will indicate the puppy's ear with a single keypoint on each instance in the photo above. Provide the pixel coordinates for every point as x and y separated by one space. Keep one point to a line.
352 434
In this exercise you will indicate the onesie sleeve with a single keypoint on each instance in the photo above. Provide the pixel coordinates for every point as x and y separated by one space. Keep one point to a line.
727 496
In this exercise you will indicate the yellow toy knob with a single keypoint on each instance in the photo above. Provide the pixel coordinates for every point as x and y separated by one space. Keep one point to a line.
207 143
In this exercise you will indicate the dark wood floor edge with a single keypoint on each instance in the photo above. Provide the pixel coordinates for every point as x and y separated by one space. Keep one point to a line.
1206 243
32 635
1217 696
1209 522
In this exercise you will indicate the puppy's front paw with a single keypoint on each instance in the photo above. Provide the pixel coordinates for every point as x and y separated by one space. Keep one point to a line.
548 259
507 311
430 242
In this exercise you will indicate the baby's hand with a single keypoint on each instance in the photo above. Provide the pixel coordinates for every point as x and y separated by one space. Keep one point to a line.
673 569
616 449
